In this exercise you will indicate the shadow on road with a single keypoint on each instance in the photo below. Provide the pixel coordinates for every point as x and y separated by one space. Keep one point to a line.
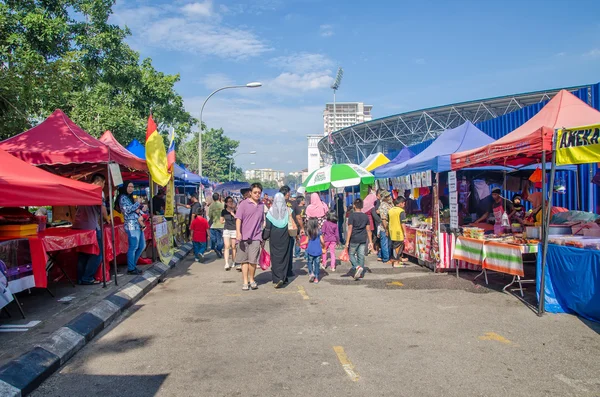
73 384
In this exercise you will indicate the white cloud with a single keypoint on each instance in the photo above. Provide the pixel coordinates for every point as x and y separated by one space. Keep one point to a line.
326 30
204 9
419 61
301 72
216 80
273 130
302 62
560 54
180 29
594 53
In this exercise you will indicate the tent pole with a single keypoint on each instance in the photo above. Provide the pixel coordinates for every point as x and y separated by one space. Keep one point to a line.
546 225
102 248
112 221
544 190
152 219
577 197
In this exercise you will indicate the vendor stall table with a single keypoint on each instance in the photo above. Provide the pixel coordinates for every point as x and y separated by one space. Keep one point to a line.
497 256
572 281
52 240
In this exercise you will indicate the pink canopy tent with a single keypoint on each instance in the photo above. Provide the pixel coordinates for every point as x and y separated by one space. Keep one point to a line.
526 144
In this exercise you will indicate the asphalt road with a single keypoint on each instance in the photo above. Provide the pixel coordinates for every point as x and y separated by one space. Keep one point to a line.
404 332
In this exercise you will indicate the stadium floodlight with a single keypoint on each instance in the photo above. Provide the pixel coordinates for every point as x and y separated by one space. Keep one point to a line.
338 79
335 86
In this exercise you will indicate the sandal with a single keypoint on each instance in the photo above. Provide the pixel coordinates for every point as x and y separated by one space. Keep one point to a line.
253 285
245 287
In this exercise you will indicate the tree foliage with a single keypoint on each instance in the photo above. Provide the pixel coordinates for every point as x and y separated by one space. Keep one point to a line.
65 54
217 154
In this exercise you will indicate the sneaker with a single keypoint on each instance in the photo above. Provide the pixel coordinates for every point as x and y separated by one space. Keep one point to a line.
316 280
358 272
279 284
322 267
227 267
238 268
311 278
333 268
201 258
219 254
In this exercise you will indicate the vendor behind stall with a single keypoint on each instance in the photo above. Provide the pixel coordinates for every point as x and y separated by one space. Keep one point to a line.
498 206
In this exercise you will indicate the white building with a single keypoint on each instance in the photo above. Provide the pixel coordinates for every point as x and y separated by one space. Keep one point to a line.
264 175
346 115
314 157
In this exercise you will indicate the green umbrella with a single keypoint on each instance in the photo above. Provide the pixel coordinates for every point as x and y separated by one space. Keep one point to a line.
337 175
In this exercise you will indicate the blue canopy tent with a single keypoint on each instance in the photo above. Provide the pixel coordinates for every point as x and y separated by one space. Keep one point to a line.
437 156
233 186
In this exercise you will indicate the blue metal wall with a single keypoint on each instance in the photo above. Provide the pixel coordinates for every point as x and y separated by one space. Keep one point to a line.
500 126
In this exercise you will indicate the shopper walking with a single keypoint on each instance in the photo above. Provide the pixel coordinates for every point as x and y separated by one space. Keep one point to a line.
216 226
331 238
359 234
249 221
314 251
276 231
229 235
200 230
397 218
383 229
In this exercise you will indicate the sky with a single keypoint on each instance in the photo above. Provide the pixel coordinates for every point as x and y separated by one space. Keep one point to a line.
397 55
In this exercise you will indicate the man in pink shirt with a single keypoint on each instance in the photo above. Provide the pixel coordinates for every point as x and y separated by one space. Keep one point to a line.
249 224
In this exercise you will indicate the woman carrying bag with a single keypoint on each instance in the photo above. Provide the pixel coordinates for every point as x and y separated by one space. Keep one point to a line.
276 231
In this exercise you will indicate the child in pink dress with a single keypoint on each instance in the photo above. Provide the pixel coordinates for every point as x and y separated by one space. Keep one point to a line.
331 235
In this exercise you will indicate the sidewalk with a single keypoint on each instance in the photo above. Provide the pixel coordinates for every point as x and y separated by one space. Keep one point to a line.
57 327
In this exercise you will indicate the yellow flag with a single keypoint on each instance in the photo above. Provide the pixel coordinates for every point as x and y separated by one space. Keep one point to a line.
156 155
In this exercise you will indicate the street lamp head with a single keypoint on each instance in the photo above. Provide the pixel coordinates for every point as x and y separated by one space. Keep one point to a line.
255 84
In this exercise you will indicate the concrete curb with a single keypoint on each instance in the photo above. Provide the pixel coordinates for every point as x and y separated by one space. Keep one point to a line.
22 375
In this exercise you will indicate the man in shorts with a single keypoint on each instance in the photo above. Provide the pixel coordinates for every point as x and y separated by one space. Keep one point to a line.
357 237
396 220
249 224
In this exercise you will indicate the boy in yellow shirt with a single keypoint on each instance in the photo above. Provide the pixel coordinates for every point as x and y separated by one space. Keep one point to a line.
397 218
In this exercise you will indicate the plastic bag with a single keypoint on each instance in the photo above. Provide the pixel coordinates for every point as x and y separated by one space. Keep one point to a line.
304 242
265 260
344 256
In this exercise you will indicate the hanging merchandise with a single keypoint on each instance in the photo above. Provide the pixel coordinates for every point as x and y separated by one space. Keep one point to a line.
536 178
560 186
426 178
596 179
416 193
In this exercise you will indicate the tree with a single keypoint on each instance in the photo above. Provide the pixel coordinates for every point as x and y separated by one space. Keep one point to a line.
64 54
292 181
266 184
217 154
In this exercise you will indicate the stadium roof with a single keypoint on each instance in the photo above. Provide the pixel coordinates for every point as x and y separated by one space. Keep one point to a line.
355 143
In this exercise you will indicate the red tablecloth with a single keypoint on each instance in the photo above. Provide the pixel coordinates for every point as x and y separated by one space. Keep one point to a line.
58 239
121 247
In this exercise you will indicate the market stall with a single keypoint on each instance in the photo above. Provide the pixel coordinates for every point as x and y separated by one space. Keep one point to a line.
533 143
433 244
22 185
568 279
374 160
62 147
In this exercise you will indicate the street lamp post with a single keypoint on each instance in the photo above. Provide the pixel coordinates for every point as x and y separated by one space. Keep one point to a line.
231 161
249 85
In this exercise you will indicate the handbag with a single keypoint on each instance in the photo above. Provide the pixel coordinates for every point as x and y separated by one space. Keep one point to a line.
292 227
304 242
265 259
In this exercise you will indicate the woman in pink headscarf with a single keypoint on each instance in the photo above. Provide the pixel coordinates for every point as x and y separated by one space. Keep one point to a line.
368 205
317 209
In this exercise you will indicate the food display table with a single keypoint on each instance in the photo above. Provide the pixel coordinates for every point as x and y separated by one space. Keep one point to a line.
502 257
53 240
417 243
572 281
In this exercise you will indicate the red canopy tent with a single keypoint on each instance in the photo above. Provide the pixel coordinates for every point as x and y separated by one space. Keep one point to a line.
61 143
135 162
526 144
24 184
